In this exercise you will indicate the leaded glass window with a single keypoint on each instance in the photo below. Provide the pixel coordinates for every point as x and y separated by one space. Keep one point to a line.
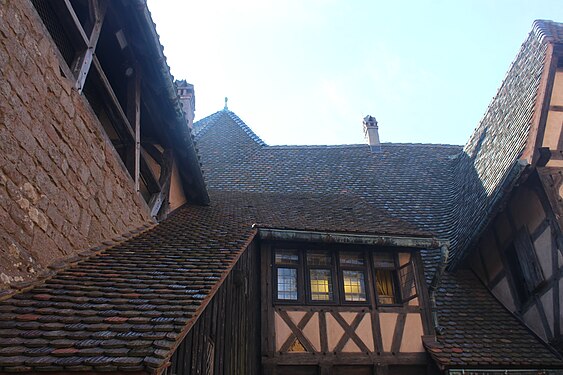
321 284
354 286
287 284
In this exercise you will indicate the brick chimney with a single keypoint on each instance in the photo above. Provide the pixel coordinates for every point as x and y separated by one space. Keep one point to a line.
187 98
371 132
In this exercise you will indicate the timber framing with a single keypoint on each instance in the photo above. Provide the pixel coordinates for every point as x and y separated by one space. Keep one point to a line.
130 96
312 336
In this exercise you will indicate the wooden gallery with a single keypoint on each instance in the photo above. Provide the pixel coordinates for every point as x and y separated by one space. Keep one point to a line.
118 254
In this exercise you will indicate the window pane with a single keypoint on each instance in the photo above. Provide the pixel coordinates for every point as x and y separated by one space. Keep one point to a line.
385 287
354 259
319 258
287 283
287 257
321 285
354 287
384 260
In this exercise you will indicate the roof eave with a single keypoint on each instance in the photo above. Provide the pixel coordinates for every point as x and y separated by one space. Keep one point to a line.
349 238
190 168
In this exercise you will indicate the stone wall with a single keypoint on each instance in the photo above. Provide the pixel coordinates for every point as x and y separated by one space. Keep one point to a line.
63 187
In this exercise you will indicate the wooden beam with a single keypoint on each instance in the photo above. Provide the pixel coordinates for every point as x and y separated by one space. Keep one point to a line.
134 117
83 62
153 151
159 201
71 22
113 98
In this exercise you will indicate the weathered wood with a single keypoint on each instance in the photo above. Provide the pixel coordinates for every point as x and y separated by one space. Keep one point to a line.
165 181
151 149
227 324
113 99
134 117
296 332
398 333
529 263
350 330
82 64
323 332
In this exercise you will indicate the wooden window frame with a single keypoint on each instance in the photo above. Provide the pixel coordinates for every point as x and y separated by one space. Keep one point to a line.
369 269
395 278
365 269
334 278
300 277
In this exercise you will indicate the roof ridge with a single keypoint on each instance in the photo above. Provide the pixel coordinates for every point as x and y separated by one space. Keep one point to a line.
357 145
548 30
245 127
209 121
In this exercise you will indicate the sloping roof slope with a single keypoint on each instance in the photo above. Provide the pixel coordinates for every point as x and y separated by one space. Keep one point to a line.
127 307
488 164
480 333
406 180
410 182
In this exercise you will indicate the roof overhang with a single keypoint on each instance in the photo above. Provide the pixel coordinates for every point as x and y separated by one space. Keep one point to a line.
271 234
171 108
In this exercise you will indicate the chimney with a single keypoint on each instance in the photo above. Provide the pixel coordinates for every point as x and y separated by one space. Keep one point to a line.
371 133
187 99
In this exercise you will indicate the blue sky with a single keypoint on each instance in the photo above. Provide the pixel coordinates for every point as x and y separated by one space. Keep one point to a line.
308 71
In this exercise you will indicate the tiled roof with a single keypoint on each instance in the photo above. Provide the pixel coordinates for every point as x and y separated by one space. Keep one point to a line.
553 31
125 308
480 333
201 126
488 165
409 182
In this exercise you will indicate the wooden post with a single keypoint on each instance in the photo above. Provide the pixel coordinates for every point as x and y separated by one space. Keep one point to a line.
134 117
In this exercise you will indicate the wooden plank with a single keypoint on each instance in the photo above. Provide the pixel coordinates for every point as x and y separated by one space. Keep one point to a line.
134 117
154 152
113 98
323 332
527 257
77 25
398 333
82 64
376 332
423 297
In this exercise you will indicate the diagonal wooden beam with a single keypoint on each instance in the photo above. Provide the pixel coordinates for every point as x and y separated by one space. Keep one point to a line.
350 329
81 67
297 331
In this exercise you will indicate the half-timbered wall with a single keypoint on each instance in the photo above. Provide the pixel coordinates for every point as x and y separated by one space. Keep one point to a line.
347 339
226 337
519 259
553 136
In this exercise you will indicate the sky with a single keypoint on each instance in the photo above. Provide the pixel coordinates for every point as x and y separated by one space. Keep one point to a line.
308 71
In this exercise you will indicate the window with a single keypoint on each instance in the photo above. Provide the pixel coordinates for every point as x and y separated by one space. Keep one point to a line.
386 278
319 266
287 262
341 277
524 267
352 266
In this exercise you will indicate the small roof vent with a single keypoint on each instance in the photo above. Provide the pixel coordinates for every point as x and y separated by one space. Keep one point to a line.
371 132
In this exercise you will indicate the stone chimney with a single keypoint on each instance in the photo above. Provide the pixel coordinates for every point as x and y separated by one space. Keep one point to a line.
371 132
187 98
